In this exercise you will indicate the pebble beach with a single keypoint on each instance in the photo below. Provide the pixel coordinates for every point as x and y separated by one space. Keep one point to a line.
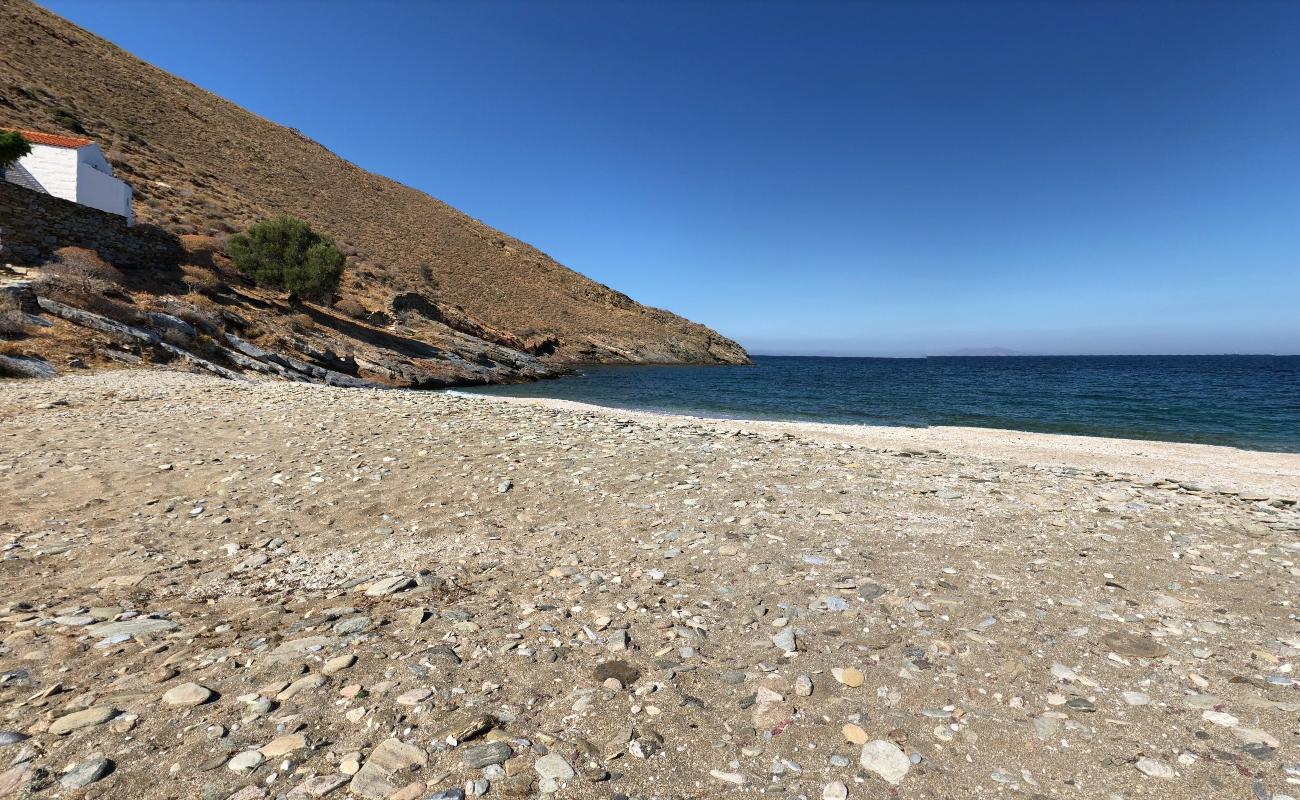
239 590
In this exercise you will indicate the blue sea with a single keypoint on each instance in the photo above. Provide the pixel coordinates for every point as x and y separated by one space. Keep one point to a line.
1251 402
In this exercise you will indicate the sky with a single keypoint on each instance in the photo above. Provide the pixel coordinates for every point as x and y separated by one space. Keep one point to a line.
834 179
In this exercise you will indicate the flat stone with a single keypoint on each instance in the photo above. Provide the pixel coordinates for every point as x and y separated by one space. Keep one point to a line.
411 791
1134 645
82 719
1256 736
885 759
246 761
283 745
188 695
11 737
303 684
785 641
553 770
734 778
835 791
854 734
389 586
13 779
413 697
86 773
849 676
1154 769
351 625
298 647
133 627
376 778
486 754
318 786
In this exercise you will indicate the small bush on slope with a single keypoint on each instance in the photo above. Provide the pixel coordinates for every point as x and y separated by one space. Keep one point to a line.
286 253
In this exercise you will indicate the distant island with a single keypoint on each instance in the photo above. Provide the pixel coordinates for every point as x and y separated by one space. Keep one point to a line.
985 351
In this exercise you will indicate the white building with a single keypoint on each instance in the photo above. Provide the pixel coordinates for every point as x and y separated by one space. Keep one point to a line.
74 169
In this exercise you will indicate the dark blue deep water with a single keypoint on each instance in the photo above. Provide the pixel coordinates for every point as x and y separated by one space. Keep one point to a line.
1251 402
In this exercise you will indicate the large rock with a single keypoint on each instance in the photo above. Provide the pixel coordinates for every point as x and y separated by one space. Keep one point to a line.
25 367
86 319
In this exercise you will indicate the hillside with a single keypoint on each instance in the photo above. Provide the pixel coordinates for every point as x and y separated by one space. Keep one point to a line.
201 166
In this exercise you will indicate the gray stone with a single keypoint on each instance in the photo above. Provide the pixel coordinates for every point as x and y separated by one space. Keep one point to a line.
86 773
389 586
133 627
482 755
785 641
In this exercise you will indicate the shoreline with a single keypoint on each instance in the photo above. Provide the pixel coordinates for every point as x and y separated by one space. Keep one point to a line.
1219 467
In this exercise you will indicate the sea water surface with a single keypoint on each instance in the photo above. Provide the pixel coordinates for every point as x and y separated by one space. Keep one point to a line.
1251 402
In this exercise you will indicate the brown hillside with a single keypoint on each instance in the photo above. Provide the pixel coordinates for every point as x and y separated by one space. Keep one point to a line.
201 165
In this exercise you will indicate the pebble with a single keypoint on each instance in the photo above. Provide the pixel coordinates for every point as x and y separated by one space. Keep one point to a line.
283 745
246 761
482 755
82 719
187 694
389 586
1155 769
553 770
86 773
338 664
785 641
835 790
885 759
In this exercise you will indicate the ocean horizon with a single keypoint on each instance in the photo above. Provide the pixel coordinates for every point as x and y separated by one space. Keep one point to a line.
1246 401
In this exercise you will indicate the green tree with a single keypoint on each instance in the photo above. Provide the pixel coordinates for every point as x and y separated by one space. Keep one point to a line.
12 147
286 253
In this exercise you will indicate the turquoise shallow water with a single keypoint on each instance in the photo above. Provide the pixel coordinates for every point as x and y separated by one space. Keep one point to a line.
1251 402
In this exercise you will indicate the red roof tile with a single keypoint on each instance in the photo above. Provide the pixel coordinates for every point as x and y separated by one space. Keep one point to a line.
55 139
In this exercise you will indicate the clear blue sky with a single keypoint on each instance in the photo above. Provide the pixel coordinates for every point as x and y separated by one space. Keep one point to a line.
876 179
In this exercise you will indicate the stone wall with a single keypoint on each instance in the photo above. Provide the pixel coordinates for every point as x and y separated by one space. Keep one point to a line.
34 225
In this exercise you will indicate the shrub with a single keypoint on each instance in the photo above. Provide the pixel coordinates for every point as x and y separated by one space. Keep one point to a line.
81 271
68 120
12 147
200 280
13 321
351 308
286 253
77 272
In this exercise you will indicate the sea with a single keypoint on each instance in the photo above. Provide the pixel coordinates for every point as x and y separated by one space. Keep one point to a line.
1245 401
